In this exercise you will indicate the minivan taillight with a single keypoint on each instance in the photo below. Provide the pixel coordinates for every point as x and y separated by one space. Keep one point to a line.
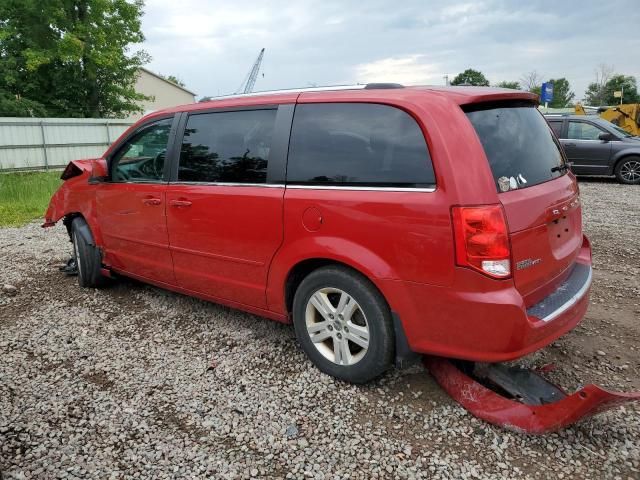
482 240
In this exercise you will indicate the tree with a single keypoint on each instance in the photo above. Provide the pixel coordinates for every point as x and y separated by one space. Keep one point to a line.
72 56
531 82
596 93
562 94
599 94
174 79
470 77
622 83
511 85
11 106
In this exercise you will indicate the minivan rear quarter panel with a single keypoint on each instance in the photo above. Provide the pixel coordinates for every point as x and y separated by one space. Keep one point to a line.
383 234
358 227
444 310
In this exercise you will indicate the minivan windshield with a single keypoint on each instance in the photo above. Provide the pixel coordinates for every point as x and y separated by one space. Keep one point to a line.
621 131
518 143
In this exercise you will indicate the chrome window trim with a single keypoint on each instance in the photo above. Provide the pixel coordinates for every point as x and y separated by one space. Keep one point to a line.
133 182
363 188
310 187
572 301
589 166
230 184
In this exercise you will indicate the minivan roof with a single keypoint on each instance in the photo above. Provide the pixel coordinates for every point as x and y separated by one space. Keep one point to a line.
460 95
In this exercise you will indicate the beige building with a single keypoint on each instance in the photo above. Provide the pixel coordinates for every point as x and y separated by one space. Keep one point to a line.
163 93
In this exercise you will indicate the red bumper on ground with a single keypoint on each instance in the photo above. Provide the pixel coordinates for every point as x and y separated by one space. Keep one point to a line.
514 415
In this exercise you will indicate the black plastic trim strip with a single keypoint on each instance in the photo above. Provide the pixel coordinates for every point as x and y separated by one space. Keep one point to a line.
277 163
177 147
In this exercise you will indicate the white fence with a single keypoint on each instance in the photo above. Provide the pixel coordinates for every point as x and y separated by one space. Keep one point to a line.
42 143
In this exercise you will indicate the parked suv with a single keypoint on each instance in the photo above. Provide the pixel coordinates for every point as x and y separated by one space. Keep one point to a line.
597 147
381 221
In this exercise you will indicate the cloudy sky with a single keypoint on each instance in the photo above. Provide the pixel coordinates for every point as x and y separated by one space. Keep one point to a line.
211 45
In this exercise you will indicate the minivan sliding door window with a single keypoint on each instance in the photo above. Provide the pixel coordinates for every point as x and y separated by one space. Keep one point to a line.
357 145
227 147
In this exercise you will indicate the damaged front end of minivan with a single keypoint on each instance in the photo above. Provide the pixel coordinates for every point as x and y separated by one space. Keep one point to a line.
76 195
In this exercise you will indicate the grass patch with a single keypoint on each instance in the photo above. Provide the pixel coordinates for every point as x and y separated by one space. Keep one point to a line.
25 196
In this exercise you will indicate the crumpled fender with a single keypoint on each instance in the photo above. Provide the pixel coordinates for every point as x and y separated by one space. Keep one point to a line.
56 208
484 403
74 195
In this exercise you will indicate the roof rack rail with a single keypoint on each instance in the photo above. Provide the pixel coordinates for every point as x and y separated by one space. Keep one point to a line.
376 86
358 86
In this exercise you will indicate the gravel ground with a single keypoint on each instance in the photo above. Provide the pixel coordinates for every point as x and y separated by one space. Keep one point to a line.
135 382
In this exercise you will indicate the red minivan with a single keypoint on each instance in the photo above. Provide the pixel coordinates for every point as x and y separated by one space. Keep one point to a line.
382 221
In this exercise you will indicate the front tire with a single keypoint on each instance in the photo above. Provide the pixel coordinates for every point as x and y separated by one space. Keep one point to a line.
88 258
628 170
343 324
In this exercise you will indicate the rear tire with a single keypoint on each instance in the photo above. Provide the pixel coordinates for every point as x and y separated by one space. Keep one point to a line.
88 258
628 170
349 321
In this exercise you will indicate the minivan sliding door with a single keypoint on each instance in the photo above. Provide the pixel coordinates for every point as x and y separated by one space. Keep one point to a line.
225 202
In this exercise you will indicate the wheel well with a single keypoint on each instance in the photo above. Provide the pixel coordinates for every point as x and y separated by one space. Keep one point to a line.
623 158
84 229
403 354
304 268
68 220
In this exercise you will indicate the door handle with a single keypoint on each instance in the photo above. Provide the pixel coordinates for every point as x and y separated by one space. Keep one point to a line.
180 203
569 144
152 201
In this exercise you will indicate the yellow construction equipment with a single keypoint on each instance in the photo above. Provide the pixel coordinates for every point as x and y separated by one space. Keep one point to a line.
625 116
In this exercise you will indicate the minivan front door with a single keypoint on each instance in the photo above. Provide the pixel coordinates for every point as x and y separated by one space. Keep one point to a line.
131 206
224 219
588 154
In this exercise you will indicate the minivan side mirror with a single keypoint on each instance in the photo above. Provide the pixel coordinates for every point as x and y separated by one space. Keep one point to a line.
99 171
606 137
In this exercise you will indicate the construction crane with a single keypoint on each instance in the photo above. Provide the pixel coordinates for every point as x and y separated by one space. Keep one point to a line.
250 79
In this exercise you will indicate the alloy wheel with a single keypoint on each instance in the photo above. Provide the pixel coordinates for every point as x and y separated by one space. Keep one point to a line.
337 326
630 171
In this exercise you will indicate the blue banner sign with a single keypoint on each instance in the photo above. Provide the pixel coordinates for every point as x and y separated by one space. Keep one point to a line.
546 92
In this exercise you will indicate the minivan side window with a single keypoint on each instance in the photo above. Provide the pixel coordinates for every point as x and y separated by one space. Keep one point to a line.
227 147
556 126
142 157
357 144
583 131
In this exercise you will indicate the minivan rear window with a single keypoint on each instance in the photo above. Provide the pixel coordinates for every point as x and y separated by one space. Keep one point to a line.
518 143
357 144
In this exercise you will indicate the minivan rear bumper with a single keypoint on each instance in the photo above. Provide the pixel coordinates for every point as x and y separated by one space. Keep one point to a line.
487 320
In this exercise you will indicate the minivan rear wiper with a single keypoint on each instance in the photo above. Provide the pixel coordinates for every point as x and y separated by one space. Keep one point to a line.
560 168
